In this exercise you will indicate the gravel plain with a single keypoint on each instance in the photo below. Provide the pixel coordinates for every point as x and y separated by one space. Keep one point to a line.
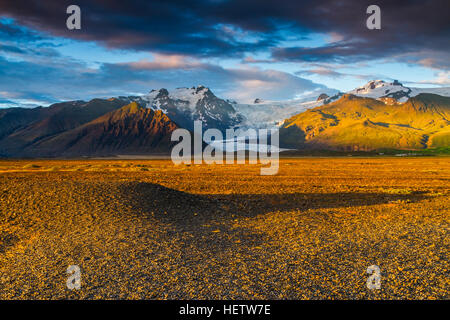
147 229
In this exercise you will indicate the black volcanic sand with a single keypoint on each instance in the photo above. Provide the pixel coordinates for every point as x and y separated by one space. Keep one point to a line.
229 235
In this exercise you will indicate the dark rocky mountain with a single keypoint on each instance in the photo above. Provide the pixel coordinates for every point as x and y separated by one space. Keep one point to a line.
322 96
131 129
13 119
332 98
21 128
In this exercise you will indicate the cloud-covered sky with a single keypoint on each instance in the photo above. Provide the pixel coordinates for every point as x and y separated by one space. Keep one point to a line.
241 49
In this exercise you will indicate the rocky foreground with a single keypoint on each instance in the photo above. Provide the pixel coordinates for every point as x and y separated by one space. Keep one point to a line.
146 229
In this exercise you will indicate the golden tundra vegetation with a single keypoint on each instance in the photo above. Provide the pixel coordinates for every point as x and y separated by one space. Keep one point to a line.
356 123
151 229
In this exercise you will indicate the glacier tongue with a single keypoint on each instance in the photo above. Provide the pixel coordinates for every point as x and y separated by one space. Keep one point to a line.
267 115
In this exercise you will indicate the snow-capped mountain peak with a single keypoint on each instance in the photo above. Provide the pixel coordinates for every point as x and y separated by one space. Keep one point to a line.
188 98
379 89
184 105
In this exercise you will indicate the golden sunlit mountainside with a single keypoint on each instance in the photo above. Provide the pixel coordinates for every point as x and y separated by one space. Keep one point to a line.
363 124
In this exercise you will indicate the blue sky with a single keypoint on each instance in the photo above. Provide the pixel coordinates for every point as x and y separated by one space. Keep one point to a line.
240 49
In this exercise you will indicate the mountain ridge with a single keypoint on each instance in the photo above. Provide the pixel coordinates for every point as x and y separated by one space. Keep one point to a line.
355 123
367 119
131 129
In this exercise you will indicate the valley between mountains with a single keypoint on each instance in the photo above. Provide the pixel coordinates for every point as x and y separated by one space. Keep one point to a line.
376 117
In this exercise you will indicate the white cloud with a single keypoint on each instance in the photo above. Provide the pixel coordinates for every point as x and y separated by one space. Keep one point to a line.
165 62
249 84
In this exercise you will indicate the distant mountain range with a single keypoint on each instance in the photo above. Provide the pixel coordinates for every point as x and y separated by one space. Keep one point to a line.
375 116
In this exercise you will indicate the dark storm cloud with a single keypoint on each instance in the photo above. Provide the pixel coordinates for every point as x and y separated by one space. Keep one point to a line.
416 29
16 40
164 26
